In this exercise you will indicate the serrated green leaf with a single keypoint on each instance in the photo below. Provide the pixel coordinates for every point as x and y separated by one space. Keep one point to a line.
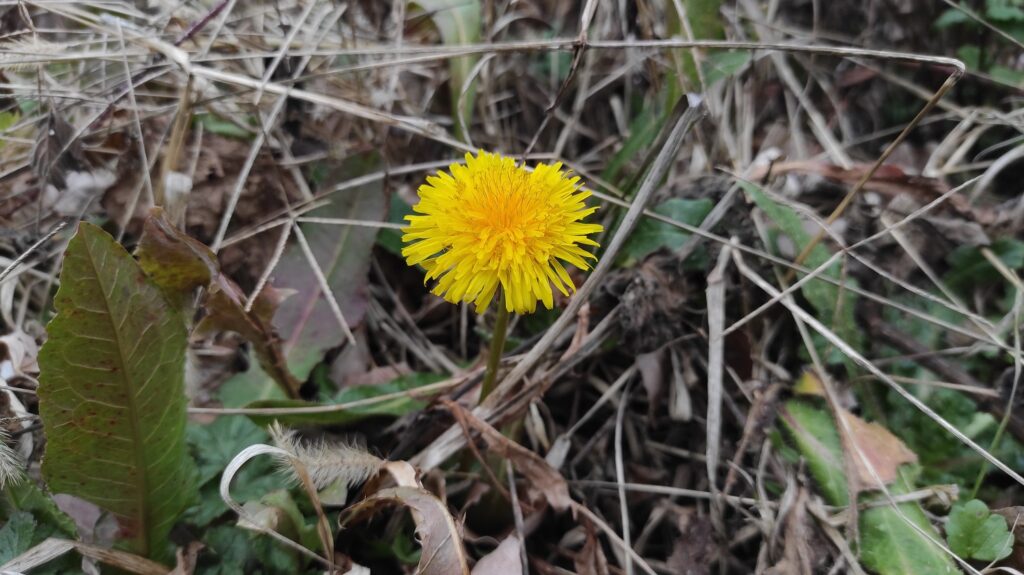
652 235
214 445
111 393
974 532
232 550
16 535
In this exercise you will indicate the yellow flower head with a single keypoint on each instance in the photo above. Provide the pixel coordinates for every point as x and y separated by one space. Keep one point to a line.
491 223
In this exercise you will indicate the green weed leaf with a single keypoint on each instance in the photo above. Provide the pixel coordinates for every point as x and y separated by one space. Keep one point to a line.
891 537
652 235
16 535
974 532
833 307
111 393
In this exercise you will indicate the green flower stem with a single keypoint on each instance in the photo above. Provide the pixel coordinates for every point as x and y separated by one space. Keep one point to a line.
496 351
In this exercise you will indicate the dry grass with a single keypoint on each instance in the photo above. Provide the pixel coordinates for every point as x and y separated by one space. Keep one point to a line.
113 106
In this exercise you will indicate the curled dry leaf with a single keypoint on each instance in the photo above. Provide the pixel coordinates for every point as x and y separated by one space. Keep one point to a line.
55 547
591 559
505 560
225 310
883 450
544 481
440 538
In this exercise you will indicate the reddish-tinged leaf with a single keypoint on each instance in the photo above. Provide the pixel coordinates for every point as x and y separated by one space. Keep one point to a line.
225 310
179 264
175 262
883 450
544 482
306 321
111 393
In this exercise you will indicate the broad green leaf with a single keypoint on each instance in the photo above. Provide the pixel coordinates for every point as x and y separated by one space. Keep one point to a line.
7 119
1007 76
16 535
813 433
389 408
824 296
305 319
892 546
458 22
974 532
1004 11
952 16
111 393
971 56
889 544
652 235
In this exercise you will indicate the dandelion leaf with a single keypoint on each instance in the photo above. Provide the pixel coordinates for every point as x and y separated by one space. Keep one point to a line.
111 393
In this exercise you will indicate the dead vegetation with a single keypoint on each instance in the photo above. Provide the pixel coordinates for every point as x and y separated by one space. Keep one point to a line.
807 293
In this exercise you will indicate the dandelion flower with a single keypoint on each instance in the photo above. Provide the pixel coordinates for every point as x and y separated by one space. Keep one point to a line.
490 223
